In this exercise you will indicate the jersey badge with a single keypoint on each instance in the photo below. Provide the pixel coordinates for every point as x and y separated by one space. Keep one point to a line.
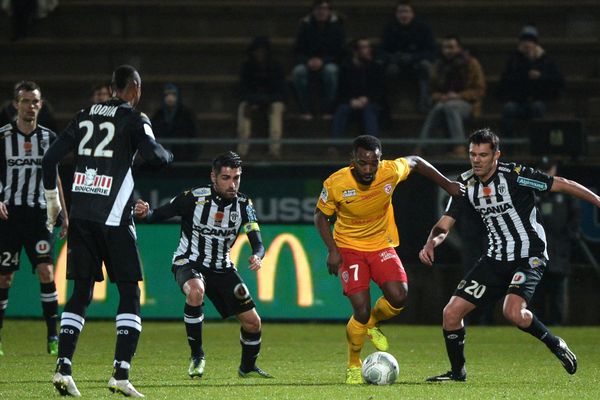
234 216
535 262
348 193
466 175
518 169
502 189
388 188
324 195
44 143
27 146
487 191
531 183
201 192
518 278
219 217
92 183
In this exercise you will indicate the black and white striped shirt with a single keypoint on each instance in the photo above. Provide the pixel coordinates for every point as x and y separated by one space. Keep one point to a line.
210 226
506 203
21 165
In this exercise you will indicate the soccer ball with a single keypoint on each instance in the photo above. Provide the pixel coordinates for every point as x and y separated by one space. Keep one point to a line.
380 368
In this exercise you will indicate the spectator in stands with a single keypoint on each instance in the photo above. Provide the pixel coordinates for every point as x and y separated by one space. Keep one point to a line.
360 90
458 87
262 82
8 114
23 14
409 48
175 120
561 219
101 92
318 48
530 79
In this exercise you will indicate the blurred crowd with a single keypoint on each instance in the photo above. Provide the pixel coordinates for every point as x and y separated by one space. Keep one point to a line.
353 84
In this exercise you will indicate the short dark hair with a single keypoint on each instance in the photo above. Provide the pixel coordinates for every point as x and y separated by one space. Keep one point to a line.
318 3
453 36
122 76
485 135
367 142
227 159
26 86
406 3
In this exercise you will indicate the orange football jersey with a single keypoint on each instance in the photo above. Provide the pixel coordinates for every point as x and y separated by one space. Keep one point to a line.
365 215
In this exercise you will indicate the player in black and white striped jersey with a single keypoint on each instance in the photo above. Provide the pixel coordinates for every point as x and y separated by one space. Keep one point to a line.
105 138
23 143
503 194
211 219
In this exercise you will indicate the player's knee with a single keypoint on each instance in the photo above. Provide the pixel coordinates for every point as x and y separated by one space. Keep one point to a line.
6 280
513 314
451 315
362 314
252 325
194 296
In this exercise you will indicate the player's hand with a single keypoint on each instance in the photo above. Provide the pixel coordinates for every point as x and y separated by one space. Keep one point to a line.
141 209
64 228
456 189
255 262
334 262
426 254
53 208
3 211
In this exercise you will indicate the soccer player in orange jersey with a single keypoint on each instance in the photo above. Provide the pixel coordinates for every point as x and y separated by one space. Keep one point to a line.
361 247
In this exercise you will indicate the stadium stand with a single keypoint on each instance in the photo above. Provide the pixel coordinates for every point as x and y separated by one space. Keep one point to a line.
199 46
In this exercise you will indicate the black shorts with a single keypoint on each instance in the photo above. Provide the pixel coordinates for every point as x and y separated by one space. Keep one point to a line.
489 280
90 243
226 290
25 227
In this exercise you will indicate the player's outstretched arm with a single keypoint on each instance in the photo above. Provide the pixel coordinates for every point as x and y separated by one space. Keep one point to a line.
258 250
574 189
424 168
142 210
438 234
334 259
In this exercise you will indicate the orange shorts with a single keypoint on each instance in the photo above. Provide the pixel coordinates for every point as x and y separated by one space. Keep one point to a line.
359 267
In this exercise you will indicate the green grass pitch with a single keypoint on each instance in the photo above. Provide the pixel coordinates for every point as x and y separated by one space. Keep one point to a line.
308 361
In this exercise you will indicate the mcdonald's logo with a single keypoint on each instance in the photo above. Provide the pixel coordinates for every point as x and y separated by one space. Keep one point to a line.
60 277
267 273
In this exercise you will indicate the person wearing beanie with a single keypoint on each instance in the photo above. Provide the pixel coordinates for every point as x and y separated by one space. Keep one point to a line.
529 81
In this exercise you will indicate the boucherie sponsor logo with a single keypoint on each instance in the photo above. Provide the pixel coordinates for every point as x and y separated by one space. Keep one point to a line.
92 183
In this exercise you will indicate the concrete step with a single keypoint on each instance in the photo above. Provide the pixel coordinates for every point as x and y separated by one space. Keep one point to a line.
224 55
154 18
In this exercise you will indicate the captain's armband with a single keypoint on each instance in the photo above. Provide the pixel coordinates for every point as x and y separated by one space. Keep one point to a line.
251 226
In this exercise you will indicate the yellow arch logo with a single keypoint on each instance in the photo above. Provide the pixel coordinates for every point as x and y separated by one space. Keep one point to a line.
266 274
60 277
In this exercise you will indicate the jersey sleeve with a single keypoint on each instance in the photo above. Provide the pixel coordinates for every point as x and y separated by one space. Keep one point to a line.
402 168
326 203
143 138
249 220
56 152
173 208
533 179
455 207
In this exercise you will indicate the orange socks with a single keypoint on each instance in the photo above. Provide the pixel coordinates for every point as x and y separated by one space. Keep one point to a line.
355 335
383 310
